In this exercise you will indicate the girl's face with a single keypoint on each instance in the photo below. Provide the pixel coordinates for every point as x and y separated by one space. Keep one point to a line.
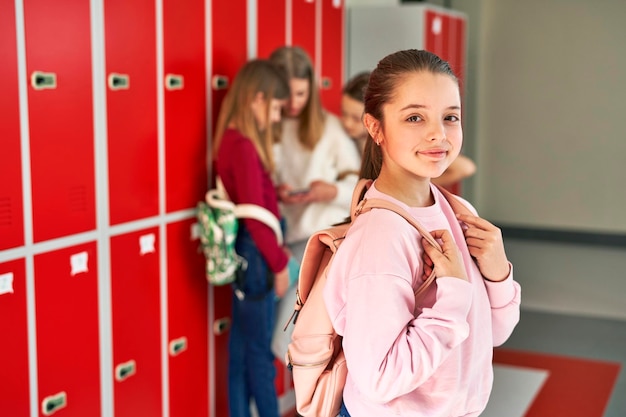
300 92
264 116
422 131
351 113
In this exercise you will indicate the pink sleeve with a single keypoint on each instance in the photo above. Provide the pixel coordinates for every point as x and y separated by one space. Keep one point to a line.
505 298
395 351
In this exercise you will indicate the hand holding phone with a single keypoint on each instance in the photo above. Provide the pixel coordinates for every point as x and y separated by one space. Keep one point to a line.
298 192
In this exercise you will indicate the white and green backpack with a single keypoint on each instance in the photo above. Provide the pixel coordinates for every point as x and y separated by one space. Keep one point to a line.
218 220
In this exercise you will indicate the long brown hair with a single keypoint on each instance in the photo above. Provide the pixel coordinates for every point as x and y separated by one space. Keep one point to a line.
256 76
295 62
381 88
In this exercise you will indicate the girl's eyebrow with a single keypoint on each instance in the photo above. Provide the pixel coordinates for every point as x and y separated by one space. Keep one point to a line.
421 106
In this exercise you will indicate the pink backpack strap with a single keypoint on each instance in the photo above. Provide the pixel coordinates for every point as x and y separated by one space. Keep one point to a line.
367 204
454 201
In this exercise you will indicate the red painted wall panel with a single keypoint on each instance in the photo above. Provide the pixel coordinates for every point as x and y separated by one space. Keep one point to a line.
61 118
66 299
136 324
11 209
187 291
14 389
130 47
185 105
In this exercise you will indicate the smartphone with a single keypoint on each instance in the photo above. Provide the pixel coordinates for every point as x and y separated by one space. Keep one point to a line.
298 192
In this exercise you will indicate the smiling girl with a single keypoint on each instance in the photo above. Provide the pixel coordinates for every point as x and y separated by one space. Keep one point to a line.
429 357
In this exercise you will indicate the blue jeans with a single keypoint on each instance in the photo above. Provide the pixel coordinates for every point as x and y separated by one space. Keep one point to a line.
251 361
344 411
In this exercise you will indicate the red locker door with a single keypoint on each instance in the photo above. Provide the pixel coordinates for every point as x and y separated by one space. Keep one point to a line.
229 53
185 104
271 26
68 358
136 324
58 58
303 26
14 398
130 42
188 351
332 54
458 27
229 49
437 33
11 214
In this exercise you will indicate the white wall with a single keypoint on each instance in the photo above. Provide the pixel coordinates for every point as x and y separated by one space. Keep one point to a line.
547 105
546 94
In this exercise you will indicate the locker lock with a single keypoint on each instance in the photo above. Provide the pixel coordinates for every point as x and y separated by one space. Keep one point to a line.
118 81
219 82
177 346
327 83
43 80
53 403
125 370
221 326
174 82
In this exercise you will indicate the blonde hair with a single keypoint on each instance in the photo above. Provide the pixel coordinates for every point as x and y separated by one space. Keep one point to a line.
256 76
295 62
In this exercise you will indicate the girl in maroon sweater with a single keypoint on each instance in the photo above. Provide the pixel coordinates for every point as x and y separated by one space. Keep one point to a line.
242 152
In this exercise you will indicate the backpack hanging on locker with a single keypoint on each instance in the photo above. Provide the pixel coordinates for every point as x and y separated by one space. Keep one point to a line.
315 355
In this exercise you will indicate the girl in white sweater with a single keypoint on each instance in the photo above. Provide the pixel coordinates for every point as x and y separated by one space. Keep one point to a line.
317 163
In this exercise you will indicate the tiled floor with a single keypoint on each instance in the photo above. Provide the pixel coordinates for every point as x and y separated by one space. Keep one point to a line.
580 337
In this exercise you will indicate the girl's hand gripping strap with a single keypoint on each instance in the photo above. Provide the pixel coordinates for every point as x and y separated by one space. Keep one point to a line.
368 204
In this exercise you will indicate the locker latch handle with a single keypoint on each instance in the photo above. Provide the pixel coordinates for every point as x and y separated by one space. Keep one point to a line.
43 80
221 326
219 82
125 370
177 346
118 81
327 83
174 82
53 403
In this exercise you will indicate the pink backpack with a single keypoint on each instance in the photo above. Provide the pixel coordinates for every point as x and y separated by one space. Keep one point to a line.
315 355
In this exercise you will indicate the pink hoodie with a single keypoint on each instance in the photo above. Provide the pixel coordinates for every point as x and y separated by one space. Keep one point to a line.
438 364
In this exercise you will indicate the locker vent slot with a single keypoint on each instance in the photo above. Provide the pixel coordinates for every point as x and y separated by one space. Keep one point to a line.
6 218
77 198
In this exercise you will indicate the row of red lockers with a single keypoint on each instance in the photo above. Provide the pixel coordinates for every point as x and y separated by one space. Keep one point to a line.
85 306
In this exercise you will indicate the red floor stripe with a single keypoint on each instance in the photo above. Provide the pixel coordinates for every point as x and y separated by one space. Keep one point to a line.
575 387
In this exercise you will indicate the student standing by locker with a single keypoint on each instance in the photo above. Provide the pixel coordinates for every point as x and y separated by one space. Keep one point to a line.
244 162
317 163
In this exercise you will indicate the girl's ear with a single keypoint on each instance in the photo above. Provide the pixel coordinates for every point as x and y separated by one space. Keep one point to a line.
372 125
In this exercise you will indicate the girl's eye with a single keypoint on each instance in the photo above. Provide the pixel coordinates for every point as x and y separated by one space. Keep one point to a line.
452 118
414 119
